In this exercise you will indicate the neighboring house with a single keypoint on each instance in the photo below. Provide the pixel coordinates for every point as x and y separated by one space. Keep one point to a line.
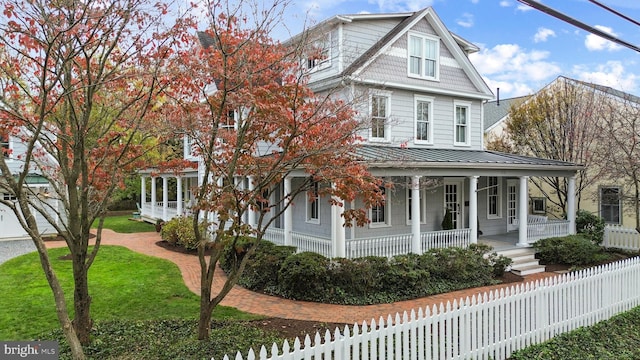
424 102
10 228
605 197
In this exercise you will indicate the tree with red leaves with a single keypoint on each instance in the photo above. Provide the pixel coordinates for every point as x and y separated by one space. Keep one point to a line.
80 85
252 120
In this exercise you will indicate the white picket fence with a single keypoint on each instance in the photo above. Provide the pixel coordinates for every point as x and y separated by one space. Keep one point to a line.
489 327
616 236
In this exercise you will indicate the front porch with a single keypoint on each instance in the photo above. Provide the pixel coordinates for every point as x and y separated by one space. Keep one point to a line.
388 246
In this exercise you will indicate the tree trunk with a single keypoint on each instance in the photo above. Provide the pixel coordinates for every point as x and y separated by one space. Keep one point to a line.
82 300
204 322
68 329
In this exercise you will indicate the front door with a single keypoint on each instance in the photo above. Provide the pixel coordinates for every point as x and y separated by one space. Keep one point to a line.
453 201
512 205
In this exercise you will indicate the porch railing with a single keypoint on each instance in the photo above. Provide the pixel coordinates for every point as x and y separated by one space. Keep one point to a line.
386 246
543 230
158 212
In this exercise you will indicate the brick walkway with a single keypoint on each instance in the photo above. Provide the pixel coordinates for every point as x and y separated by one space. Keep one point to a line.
271 306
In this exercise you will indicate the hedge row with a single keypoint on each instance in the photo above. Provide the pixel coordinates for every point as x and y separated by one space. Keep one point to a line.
278 270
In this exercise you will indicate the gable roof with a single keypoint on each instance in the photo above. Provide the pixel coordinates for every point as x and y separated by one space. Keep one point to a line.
457 46
495 112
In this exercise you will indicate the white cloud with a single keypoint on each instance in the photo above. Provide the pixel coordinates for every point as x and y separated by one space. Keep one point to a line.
523 7
515 69
475 1
611 73
505 3
399 5
596 43
466 20
543 34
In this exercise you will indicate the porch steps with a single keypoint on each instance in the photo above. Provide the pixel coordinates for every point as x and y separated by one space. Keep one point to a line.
524 261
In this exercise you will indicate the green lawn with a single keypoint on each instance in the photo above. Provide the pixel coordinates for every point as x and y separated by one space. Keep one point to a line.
123 224
124 285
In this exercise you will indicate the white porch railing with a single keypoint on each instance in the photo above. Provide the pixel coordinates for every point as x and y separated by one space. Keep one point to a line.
379 246
386 246
445 238
616 236
158 212
543 230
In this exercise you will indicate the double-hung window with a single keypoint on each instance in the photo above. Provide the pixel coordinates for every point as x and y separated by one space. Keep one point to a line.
379 110
379 214
494 209
4 146
423 107
610 204
461 123
313 204
319 57
424 51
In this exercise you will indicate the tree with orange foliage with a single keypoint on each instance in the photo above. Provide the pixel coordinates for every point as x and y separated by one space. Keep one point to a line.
79 86
253 121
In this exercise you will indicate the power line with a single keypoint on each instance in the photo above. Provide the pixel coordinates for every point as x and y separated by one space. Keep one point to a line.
614 11
538 6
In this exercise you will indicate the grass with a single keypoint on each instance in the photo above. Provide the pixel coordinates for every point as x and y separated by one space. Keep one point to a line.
124 285
123 224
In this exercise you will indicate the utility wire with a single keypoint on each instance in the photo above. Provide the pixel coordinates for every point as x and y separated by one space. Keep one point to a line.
614 11
538 6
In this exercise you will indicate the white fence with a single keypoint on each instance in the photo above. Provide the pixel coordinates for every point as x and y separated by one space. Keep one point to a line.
616 236
490 327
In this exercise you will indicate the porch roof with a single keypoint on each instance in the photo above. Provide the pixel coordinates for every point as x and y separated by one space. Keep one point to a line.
386 156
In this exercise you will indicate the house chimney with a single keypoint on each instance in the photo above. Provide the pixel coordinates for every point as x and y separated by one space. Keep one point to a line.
497 96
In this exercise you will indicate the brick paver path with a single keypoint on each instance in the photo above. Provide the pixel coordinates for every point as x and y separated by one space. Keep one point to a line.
272 306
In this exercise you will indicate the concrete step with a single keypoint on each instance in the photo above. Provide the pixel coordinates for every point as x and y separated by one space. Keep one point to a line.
524 261
528 270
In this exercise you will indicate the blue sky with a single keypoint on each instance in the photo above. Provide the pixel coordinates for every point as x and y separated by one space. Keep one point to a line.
522 49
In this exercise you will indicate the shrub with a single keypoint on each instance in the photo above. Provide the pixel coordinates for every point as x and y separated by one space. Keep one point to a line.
234 252
179 231
590 225
569 250
460 265
305 276
261 270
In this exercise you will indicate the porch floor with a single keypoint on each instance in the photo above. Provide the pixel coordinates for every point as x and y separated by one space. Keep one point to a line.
505 241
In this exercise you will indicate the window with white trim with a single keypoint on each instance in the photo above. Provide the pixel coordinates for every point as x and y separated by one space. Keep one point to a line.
423 107
423 55
538 205
379 109
610 204
379 214
9 197
5 146
319 56
461 123
313 204
494 198
229 122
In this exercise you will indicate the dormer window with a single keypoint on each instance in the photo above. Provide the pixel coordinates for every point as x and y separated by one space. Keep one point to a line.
424 52
319 57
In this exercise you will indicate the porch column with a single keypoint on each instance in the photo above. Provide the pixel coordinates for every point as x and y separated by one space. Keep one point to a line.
179 195
571 205
154 200
473 209
288 214
522 212
338 242
143 193
252 214
416 247
165 198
